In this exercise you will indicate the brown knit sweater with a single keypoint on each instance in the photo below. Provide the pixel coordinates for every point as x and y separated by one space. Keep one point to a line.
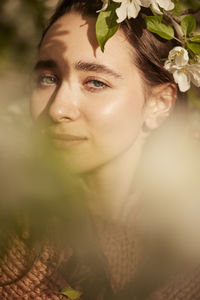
42 279
38 281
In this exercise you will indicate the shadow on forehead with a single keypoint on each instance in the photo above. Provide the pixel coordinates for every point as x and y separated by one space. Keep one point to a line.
91 33
52 39
59 29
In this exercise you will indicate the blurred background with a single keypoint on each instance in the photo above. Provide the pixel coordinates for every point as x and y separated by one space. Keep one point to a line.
21 24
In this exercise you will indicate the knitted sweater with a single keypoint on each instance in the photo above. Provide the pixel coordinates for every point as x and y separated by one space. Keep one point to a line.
44 280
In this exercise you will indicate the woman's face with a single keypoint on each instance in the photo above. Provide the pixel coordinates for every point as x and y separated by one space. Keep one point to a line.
90 103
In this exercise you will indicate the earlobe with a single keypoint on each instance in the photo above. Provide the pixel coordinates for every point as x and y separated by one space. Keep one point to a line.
160 105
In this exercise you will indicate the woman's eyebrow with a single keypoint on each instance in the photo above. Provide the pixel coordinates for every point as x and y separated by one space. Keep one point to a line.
80 66
94 67
45 64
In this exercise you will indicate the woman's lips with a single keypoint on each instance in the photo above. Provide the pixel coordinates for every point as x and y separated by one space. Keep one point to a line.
63 140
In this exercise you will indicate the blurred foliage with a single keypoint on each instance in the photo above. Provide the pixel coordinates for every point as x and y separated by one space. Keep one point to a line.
21 24
190 3
185 4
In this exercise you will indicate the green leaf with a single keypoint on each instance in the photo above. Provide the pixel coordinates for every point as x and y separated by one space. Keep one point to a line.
155 25
195 39
106 24
188 24
71 293
194 47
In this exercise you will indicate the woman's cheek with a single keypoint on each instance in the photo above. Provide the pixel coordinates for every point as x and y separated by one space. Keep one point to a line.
39 102
115 109
116 123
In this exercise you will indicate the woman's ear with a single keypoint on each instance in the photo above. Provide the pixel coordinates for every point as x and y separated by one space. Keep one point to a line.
160 104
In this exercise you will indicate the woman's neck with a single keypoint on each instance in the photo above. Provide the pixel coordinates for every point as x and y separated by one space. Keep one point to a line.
108 188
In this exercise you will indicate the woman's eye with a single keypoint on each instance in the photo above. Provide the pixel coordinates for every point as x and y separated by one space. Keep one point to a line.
95 85
46 80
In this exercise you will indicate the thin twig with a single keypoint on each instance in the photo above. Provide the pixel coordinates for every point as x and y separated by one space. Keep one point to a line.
172 17
175 22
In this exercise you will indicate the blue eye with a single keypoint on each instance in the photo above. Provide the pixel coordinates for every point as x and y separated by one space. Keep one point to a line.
96 84
46 80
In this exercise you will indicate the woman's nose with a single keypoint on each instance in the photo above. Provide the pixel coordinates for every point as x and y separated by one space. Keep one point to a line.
64 106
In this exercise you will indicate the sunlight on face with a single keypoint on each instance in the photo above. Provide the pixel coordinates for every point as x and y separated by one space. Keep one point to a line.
90 103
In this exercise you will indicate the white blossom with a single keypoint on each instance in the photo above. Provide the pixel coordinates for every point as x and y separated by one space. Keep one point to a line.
182 78
130 8
179 56
105 5
165 4
183 71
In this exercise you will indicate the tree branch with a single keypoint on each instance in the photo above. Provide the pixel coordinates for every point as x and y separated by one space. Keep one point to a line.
175 22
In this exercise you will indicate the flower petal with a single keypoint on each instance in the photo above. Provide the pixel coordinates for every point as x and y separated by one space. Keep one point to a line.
194 71
133 10
181 60
155 8
166 4
145 3
168 65
179 55
182 79
122 12
105 5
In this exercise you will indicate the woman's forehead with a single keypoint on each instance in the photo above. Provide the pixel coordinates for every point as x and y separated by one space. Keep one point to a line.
71 24
75 32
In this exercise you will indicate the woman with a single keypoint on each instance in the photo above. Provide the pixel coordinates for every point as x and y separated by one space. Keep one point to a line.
97 108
